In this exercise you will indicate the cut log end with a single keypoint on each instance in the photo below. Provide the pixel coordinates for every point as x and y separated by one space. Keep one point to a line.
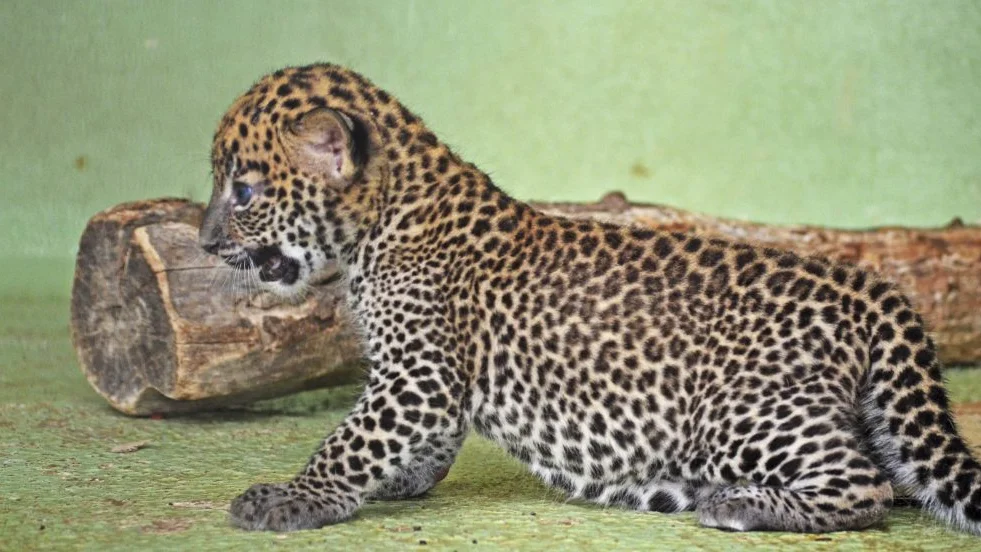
160 327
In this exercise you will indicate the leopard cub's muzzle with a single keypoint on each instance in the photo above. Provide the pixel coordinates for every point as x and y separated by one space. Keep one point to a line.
273 266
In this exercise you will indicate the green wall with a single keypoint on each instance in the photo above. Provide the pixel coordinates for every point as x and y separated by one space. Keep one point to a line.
851 113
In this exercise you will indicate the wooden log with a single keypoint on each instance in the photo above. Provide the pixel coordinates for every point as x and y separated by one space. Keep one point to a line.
154 332
159 327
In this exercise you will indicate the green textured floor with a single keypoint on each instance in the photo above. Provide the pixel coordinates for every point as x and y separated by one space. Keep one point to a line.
62 487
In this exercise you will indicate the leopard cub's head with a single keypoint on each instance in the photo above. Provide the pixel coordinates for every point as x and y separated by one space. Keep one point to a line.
296 175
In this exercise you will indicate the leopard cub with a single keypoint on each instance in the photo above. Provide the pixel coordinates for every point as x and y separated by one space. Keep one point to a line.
625 366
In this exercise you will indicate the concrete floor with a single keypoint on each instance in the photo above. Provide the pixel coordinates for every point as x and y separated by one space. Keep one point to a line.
62 487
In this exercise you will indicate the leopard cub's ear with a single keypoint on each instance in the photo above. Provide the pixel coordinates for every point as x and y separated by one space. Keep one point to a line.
321 141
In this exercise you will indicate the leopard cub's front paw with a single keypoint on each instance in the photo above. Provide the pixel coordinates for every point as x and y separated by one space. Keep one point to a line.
279 507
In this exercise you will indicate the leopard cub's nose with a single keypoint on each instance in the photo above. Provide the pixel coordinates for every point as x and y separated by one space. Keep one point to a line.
211 246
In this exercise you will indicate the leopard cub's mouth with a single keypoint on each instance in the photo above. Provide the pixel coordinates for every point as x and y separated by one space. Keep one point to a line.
272 264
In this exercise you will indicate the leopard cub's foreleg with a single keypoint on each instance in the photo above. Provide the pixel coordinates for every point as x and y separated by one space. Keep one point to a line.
402 432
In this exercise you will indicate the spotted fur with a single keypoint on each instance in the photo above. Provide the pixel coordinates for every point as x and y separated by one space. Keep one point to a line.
625 366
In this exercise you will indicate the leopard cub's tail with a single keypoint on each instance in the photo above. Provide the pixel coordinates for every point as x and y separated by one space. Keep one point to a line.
907 411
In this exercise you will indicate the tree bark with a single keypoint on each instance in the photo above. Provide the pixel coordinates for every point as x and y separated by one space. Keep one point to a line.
160 327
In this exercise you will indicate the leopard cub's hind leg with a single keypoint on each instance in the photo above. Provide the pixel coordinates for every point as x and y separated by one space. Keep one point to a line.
834 490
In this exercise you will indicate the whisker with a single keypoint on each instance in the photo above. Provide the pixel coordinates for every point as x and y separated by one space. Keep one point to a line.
224 280
252 278
216 276
237 281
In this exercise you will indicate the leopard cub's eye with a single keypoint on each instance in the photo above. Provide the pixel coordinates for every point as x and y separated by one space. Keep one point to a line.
242 193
